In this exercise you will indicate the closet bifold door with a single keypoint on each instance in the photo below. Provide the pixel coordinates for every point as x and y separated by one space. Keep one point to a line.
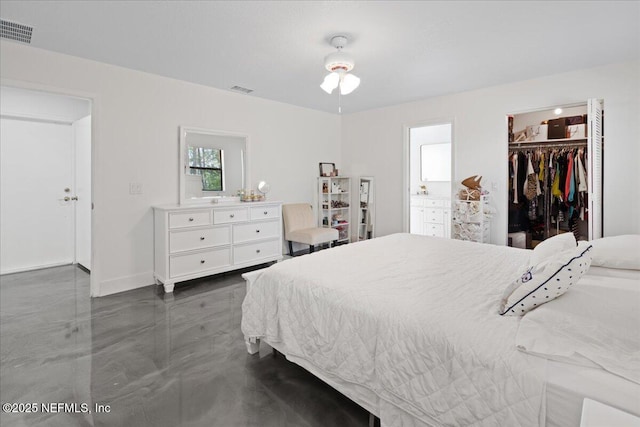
594 143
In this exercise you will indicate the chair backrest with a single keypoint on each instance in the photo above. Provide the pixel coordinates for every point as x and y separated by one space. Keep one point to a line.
297 216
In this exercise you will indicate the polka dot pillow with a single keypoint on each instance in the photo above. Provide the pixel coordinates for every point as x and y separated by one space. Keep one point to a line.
547 280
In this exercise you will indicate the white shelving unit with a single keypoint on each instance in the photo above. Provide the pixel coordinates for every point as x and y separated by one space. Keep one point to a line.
335 205
366 211
472 220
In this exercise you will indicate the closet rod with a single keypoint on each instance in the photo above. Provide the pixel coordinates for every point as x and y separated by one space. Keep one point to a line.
528 145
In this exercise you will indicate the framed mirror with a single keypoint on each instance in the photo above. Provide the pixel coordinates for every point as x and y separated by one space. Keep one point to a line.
212 164
435 162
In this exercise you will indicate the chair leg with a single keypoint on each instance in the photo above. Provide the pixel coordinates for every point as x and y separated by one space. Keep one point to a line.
312 249
290 248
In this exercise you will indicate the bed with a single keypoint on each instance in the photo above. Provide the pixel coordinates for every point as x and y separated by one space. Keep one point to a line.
408 327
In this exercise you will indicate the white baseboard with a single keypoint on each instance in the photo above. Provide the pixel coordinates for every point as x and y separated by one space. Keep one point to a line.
33 268
126 283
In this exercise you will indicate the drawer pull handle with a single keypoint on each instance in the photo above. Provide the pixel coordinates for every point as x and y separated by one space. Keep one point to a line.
201 261
257 251
257 231
190 219
231 216
201 238
265 212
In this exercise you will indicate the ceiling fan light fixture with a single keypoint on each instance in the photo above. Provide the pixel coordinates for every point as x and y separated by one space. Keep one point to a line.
348 84
339 64
330 82
339 61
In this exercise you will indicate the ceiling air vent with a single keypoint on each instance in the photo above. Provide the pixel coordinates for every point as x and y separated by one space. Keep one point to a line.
241 89
14 31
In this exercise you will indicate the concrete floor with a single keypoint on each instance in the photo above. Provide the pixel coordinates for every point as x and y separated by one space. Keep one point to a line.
151 359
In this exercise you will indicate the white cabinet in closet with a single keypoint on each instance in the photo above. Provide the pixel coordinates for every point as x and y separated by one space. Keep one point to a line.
430 216
471 220
197 241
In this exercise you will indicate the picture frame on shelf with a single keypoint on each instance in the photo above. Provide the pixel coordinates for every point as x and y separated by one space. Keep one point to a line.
327 169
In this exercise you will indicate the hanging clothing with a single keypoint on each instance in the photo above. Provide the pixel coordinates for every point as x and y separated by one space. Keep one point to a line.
530 188
569 183
583 186
541 166
514 183
549 189
555 187
522 176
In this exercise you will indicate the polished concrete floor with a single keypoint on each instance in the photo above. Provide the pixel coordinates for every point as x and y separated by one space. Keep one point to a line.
151 359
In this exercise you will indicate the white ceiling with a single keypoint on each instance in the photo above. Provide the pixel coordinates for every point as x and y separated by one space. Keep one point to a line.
404 50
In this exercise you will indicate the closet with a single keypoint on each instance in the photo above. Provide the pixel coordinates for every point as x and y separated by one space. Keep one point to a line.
555 174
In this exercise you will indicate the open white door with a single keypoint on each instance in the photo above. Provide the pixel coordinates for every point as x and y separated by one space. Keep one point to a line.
82 142
36 211
594 108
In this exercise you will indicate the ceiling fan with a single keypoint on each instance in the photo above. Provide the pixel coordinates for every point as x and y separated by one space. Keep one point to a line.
339 64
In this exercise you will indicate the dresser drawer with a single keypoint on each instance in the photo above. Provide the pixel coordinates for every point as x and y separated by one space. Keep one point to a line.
436 230
265 212
255 230
180 265
256 251
227 216
189 219
416 201
186 240
434 203
433 215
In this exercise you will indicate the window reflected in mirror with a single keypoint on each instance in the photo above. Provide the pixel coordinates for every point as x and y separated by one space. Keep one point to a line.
207 162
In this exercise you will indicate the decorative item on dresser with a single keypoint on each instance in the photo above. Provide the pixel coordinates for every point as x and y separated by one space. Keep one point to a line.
195 241
430 216
334 208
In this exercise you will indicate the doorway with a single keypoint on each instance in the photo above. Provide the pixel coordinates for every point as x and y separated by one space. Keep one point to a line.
429 175
45 194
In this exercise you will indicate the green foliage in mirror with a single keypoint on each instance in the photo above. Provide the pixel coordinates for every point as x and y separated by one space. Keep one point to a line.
207 162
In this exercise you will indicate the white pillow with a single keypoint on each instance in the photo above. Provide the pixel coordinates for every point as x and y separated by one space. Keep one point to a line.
617 252
552 246
546 281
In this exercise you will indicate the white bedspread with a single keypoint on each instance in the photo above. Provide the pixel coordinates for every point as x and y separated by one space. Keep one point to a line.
598 322
412 318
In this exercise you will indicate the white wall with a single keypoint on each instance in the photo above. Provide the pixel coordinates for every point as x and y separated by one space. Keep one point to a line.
373 140
42 105
135 129
82 190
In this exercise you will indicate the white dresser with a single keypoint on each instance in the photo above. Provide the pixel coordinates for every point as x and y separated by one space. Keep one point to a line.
196 241
430 216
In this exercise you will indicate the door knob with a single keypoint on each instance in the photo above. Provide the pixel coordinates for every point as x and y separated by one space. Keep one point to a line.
66 190
66 198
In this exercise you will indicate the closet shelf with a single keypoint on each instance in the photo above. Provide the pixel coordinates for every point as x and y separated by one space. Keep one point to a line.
546 142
